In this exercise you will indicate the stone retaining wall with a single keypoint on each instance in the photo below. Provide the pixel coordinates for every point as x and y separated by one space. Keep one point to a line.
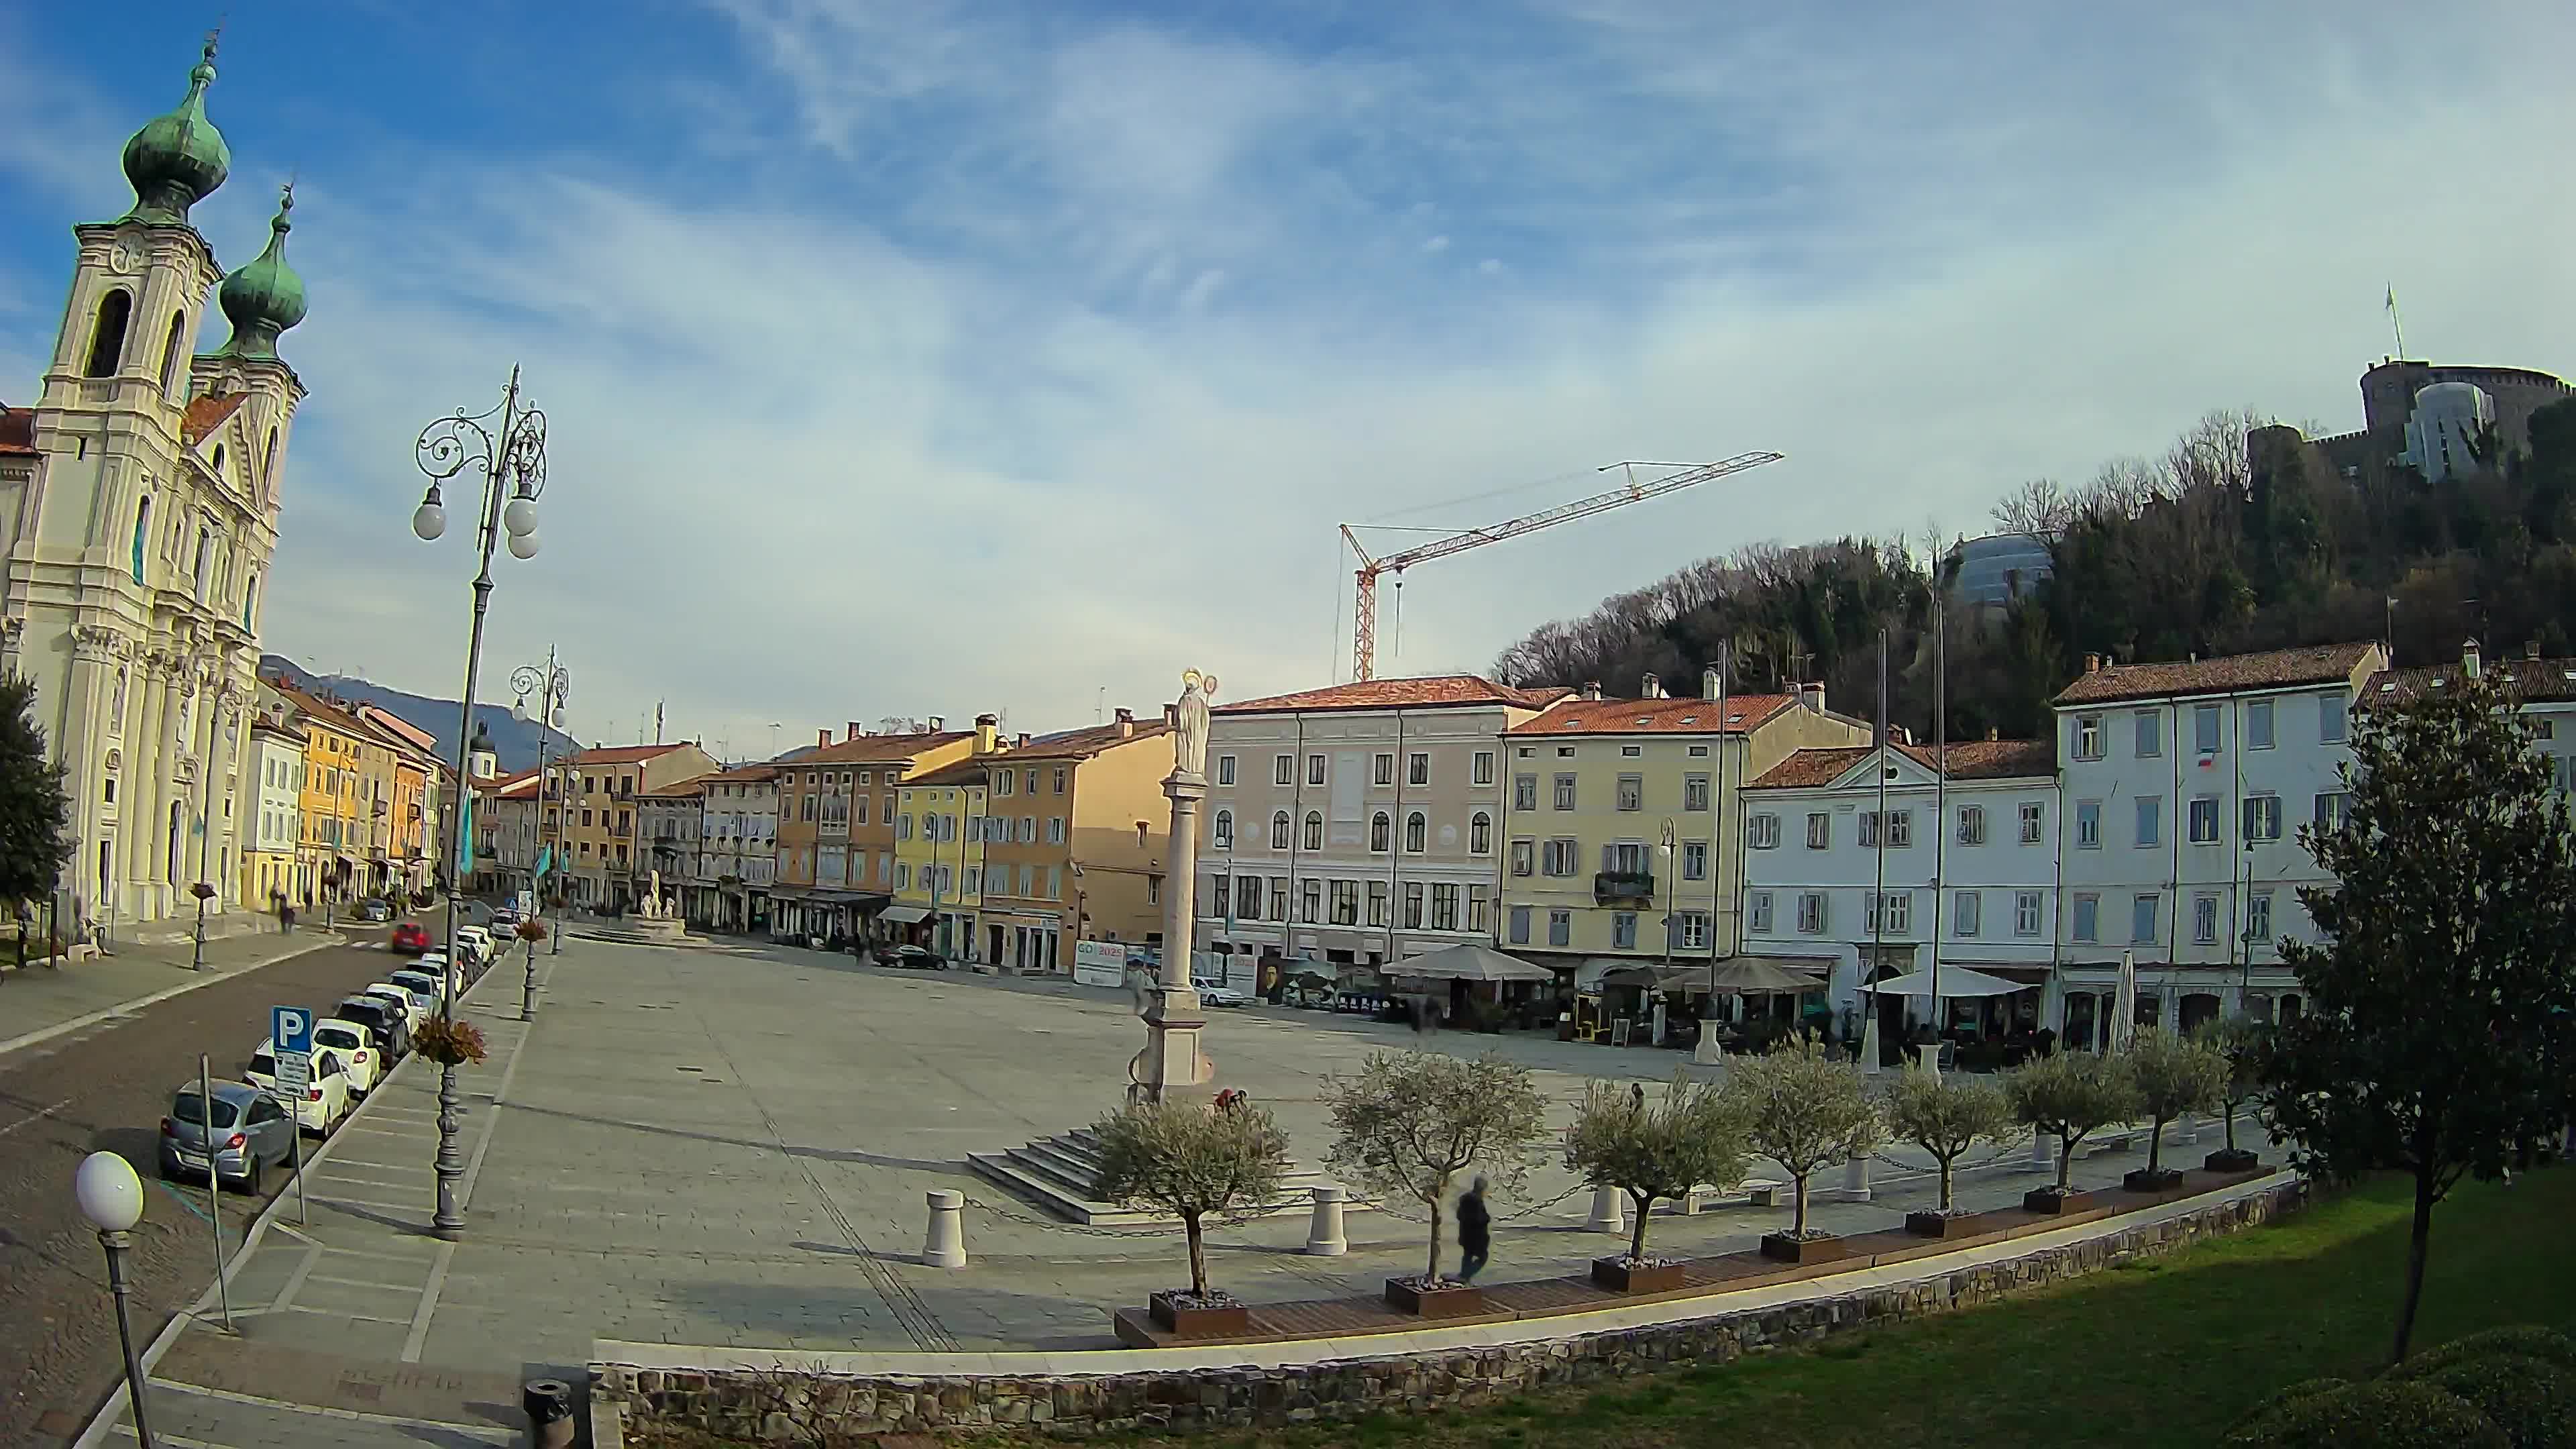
784 1406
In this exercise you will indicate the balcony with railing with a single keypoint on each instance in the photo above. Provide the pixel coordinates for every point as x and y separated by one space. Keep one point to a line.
1623 885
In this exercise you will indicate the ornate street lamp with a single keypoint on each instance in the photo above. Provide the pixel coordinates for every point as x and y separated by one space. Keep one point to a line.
507 444
111 1197
552 684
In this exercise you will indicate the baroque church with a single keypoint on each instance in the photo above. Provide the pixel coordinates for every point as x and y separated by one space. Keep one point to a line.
138 510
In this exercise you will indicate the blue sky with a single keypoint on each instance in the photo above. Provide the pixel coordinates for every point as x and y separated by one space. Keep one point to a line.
919 358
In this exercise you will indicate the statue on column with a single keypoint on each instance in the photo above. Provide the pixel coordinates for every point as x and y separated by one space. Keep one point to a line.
1190 740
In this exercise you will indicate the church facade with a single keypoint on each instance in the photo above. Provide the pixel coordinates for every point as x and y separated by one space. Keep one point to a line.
139 502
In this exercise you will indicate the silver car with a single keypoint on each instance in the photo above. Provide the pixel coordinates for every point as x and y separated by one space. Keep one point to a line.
250 1133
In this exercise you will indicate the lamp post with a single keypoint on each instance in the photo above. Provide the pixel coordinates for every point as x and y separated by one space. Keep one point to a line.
551 685
511 455
204 893
111 1197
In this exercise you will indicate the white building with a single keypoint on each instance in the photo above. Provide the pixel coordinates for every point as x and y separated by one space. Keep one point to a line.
2547 688
2185 786
1294 860
667 827
276 826
1832 882
738 837
138 509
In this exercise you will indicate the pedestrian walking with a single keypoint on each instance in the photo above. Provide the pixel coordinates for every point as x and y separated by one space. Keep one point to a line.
1475 1232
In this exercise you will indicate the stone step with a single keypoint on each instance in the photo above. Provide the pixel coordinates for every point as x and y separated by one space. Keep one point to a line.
1047 1176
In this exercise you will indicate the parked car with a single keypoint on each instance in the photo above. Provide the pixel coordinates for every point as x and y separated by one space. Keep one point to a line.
388 1024
421 999
478 939
414 1009
1213 994
409 939
355 1045
240 1134
916 958
326 1090
416 979
376 911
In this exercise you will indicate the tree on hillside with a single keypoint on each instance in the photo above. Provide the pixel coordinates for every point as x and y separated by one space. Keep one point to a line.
2439 1037
1410 1122
35 837
1658 1149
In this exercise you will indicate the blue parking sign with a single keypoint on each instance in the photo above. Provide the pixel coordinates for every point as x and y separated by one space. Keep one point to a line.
290 1029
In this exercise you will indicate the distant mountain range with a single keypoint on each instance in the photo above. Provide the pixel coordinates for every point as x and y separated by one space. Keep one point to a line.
513 739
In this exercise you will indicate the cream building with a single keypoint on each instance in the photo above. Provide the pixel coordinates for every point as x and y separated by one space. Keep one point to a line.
269 859
138 510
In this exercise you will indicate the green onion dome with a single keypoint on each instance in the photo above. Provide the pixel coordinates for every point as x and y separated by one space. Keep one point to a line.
179 159
264 298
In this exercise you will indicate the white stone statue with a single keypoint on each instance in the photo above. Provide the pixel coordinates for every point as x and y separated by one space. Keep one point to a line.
1190 741
653 899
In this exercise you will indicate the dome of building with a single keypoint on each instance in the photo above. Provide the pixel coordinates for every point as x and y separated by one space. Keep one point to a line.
179 159
264 298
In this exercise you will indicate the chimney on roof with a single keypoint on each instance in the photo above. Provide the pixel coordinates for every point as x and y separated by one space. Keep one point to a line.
2092 663
854 731
822 737
1812 696
2530 648
2469 659
1126 723
938 724
1711 684
1993 734
1023 741
1592 689
988 733
1651 687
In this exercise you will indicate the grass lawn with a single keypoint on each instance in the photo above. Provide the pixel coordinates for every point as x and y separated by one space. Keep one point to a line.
2163 1353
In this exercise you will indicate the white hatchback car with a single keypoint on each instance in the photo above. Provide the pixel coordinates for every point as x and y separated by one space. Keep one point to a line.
326 1091
359 1060
415 1014
476 937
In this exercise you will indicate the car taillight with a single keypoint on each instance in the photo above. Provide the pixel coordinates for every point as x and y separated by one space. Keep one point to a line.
362 1059
234 1142
313 1094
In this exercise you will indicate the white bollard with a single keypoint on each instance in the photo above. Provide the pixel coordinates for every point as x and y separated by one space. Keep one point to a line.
2189 1131
2041 1159
1609 1211
1856 1180
1324 1231
945 1247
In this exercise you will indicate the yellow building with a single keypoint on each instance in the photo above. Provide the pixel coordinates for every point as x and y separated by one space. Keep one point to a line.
939 854
334 824
610 870
1623 825
833 852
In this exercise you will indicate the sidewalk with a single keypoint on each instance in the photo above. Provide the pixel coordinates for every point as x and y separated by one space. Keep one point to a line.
41 1003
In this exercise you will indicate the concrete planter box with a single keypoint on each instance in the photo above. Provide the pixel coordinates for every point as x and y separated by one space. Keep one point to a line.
2163 1179
1456 1300
1617 1275
1781 1248
2227 1159
2048 1200
1232 1321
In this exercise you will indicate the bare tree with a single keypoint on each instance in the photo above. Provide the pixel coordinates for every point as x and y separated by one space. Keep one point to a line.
2039 508
1410 1122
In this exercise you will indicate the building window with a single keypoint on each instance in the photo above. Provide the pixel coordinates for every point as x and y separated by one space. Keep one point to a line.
2258 916
2262 817
2151 733
1811 912
1060 779
2088 824
1247 897
1483 768
1412 905
1623 930
1382 770
1632 792
1757 909
2034 821
1279 898
1284 770
1972 825
1820 830
1055 830
1224 771
1558 857
1279 831
1415 829
1525 792
1523 857
2334 805
142 531
1444 905
2204 919
2088 737
1565 792
1417 769
1890 913
2026 911
2204 819
2258 724
1221 834
1560 928
1520 925
1477 906
1694 792
1310 902
1314 769
1380 830
1763 831
1377 903
107 339
1967 909
2204 729
1694 860
2151 820
2142 918
2088 917
1480 833
1314 830
2331 723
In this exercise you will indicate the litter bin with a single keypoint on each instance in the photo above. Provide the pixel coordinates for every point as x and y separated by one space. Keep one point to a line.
549 1406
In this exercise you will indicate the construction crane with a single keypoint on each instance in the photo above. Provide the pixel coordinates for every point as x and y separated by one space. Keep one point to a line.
1364 615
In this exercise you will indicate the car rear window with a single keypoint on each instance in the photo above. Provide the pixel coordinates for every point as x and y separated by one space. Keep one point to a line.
263 1065
185 1109
338 1036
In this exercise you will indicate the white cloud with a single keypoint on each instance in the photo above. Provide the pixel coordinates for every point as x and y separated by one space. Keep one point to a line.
1153 311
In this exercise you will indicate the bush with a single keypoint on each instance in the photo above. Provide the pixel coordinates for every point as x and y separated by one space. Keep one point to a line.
2381 1414
2532 1400
2522 1340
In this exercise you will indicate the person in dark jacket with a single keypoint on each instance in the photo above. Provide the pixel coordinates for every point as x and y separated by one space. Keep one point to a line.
1475 1232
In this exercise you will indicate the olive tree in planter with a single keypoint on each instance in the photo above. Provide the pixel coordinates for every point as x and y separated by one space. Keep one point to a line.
1409 1122
2173 1075
2242 1040
2073 1094
1652 1150
1807 1110
1945 1115
1194 1162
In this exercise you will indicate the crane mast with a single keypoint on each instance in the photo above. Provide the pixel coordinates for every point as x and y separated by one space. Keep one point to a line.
1364 613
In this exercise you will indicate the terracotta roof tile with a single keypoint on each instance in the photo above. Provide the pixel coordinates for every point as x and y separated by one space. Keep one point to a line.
18 431
1968 759
741 774
1428 691
205 414
877 748
2275 669
1086 742
623 754
1688 716
2533 679
677 789
969 771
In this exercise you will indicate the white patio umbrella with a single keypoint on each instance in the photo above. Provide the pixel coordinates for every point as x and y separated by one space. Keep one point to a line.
2124 1018
1955 981
1469 962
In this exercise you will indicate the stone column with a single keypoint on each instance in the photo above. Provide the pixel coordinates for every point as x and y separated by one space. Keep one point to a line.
147 809
1173 1060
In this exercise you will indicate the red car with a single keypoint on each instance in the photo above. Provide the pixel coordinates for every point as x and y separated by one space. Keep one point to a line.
410 939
